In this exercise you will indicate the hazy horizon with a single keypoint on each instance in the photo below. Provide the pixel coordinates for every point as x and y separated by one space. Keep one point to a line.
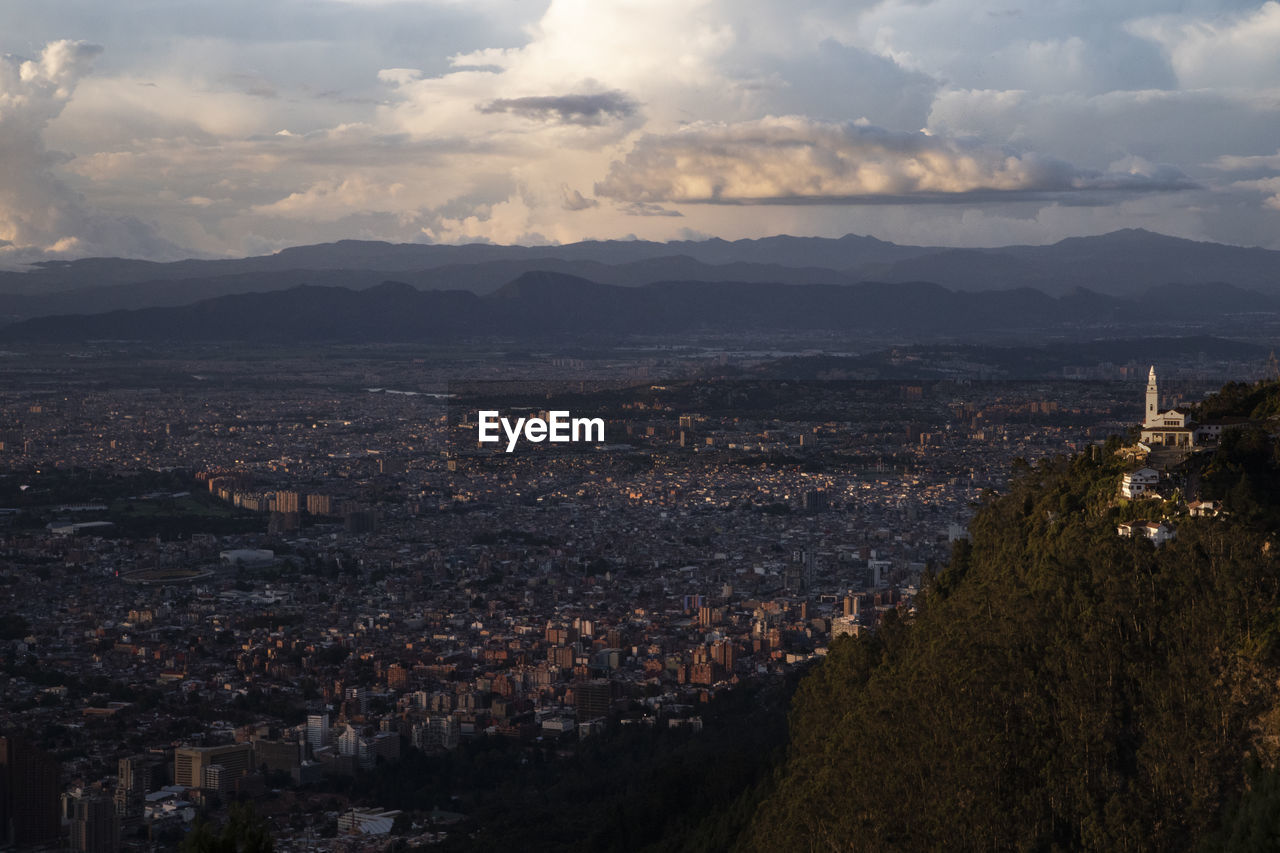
237 130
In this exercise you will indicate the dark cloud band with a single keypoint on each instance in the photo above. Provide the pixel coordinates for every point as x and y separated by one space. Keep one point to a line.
567 109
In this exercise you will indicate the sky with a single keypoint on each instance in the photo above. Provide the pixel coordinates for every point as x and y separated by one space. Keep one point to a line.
175 128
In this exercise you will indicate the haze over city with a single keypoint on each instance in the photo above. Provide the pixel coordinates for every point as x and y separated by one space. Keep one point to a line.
639 425
196 129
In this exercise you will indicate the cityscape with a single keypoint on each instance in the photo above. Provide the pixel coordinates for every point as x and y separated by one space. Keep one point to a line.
639 426
220 589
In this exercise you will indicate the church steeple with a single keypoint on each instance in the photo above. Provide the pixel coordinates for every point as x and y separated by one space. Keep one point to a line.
1153 399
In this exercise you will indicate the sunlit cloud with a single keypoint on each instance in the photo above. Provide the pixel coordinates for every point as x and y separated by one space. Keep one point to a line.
796 160
572 119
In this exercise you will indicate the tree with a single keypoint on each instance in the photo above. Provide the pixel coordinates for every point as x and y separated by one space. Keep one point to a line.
244 832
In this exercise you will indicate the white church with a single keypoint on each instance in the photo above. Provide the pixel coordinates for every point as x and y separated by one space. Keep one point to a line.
1172 428
1166 429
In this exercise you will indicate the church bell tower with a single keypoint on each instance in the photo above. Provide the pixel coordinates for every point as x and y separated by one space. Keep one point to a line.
1153 399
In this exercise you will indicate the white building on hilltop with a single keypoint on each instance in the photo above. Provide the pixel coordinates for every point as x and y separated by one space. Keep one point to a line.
1167 429
1173 428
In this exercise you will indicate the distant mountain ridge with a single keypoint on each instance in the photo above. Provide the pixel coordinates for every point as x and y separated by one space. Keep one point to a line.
1121 264
543 304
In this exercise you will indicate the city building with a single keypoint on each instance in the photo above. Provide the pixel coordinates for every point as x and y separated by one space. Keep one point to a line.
133 783
318 731
95 826
191 762
28 794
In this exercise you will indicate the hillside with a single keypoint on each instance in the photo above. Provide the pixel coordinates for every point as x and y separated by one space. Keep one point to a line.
543 303
1060 687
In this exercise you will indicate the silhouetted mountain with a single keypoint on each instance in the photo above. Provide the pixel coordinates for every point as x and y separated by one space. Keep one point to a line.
392 311
540 303
481 277
779 252
1124 263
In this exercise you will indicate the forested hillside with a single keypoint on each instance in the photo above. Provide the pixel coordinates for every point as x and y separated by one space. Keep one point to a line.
1061 687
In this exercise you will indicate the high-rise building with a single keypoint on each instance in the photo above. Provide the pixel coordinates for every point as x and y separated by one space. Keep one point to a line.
28 794
354 745
319 505
133 782
592 698
318 731
285 502
815 500
189 762
801 570
357 699
723 653
95 827
437 732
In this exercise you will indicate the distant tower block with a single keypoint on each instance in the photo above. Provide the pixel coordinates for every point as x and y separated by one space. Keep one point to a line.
1153 399
800 571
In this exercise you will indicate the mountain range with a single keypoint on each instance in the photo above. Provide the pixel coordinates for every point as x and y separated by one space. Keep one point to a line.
353 290
1121 264
547 305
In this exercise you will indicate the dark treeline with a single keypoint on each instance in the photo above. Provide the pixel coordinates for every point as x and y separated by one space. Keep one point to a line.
1061 687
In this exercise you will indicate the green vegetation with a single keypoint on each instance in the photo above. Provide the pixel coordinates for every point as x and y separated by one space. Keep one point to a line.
1061 687
244 832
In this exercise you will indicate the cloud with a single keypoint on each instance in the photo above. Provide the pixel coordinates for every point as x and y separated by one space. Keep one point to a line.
331 200
36 208
39 215
1236 51
1268 186
501 121
574 200
567 109
830 81
796 160
1044 48
644 208
1188 128
1238 163
252 84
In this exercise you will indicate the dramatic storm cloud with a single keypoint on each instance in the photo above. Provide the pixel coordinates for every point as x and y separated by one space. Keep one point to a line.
246 126
39 215
796 160
35 207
